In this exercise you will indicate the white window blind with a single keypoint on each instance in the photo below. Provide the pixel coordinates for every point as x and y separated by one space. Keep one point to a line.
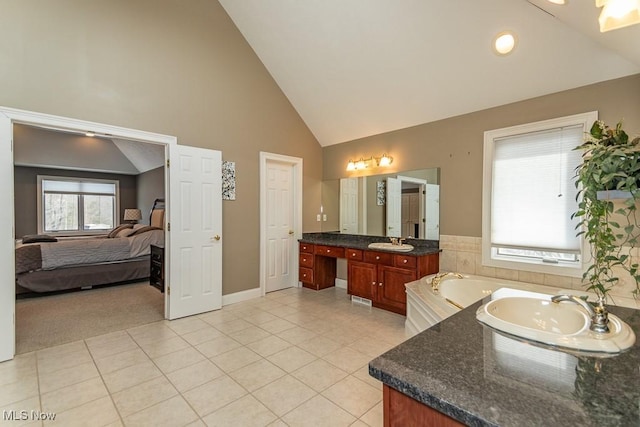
533 190
78 187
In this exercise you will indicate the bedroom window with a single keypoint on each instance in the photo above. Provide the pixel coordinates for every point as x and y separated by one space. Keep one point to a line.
529 195
70 206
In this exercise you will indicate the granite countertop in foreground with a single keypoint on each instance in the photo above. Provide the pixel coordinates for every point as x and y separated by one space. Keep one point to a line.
356 241
482 378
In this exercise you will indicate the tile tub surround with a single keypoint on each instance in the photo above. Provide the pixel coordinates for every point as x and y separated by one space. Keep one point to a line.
356 241
463 254
479 377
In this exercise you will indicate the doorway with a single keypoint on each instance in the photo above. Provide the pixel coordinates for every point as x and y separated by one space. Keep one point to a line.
280 220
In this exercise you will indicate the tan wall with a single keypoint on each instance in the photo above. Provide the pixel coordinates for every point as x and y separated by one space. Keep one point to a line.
166 66
455 144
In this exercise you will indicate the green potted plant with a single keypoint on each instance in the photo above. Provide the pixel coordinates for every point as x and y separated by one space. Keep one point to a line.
610 171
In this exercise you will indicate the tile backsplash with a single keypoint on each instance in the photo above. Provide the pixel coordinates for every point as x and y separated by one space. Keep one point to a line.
464 255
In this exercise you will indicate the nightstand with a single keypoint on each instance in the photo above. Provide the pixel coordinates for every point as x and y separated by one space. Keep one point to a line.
156 276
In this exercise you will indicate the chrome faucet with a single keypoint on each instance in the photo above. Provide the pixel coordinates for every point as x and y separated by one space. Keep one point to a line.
598 314
435 282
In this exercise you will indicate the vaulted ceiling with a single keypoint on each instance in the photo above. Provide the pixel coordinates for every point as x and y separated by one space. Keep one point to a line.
354 68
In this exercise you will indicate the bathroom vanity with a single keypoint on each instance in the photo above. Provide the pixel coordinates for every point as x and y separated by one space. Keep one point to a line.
461 372
375 275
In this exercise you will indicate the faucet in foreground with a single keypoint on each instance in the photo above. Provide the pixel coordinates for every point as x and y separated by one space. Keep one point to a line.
435 282
397 241
597 314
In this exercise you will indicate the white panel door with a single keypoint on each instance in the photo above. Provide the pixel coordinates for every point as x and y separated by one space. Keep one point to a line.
349 205
194 238
432 209
280 263
394 207
7 248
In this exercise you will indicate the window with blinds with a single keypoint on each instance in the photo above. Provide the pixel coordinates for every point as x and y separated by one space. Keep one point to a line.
530 194
73 205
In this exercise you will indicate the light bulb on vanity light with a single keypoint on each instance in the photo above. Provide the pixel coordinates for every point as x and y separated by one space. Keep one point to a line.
385 160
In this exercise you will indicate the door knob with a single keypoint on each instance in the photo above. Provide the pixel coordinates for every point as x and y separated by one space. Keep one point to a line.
217 237
290 232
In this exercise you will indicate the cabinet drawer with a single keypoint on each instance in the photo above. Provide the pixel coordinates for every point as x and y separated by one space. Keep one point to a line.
306 260
306 248
332 251
305 275
405 261
378 257
354 254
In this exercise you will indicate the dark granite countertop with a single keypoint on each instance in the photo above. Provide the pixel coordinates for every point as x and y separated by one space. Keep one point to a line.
483 378
356 241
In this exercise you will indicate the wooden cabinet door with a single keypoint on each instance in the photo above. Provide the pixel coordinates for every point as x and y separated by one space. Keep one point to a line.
391 290
362 279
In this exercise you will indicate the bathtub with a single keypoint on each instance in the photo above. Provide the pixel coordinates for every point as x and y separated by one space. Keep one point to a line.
425 307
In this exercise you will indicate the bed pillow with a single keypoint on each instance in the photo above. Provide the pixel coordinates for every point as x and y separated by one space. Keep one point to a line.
144 230
125 232
35 238
114 233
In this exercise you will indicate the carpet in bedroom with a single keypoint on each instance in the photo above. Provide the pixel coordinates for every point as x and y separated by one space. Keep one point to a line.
58 319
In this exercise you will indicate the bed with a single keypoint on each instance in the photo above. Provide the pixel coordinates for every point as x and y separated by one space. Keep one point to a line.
46 265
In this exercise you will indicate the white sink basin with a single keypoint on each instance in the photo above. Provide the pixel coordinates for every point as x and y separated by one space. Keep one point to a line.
559 324
391 247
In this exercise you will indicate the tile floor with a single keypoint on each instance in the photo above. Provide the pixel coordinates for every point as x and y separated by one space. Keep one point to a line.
295 357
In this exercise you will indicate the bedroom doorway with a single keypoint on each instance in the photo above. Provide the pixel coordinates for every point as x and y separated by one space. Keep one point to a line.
184 299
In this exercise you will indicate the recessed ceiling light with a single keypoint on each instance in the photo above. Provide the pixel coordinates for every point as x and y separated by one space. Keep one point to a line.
504 43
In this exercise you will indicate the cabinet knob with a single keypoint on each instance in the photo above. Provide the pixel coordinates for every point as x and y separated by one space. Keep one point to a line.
404 260
353 254
304 260
373 283
377 257
328 250
380 284
304 275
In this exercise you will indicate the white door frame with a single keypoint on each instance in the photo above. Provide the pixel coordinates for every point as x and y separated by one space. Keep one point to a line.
422 203
296 163
9 116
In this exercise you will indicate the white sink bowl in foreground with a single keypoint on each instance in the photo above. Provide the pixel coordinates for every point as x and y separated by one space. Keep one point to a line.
559 324
391 247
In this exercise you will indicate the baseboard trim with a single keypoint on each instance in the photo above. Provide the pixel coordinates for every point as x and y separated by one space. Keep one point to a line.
341 283
241 296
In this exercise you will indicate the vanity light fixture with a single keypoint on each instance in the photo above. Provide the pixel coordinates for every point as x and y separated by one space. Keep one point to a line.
504 43
382 161
618 14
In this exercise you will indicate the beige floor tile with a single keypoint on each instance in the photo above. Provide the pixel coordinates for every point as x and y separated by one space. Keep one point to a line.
194 375
108 348
260 317
217 317
235 359
269 345
173 412
249 335
374 417
297 335
131 376
202 335
371 347
320 346
106 338
52 363
74 395
156 331
257 374
19 390
187 325
284 394
121 360
142 396
197 423
246 411
217 346
319 375
277 325
363 375
178 359
100 412
13 414
322 411
67 376
282 311
353 395
155 349
214 395
233 326
22 366
59 350
291 358
347 359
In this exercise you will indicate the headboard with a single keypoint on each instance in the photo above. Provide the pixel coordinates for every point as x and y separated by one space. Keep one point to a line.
156 217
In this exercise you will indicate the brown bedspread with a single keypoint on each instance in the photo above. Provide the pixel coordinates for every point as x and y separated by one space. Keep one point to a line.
28 258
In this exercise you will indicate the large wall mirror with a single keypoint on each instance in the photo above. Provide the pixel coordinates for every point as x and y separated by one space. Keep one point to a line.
399 204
